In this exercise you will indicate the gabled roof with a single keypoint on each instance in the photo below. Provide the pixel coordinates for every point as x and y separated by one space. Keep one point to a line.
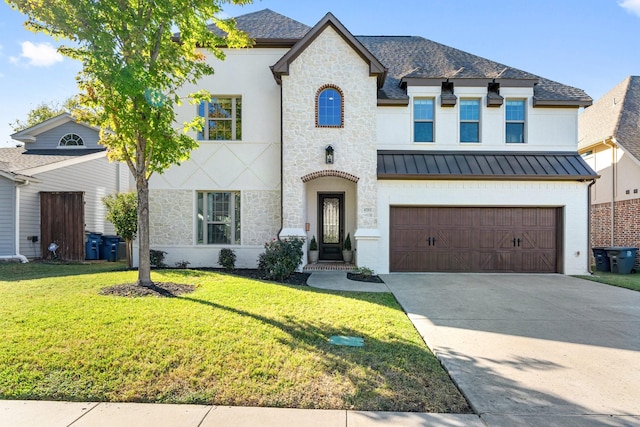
267 27
614 116
409 57
475 165
29 134
17 160
375 67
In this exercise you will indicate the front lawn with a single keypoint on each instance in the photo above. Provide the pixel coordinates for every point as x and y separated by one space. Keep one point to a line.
629 281
233 341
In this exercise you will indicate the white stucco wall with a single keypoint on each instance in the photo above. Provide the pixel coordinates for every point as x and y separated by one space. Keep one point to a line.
250 166
546 129
571 196
619 172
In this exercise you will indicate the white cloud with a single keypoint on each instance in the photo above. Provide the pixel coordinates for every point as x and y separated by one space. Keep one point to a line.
39 55
632 6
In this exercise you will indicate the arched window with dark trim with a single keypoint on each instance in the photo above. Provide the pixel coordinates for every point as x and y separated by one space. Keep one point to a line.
329 107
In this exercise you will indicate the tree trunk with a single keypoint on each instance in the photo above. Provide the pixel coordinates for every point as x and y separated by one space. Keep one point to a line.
129 250
144 265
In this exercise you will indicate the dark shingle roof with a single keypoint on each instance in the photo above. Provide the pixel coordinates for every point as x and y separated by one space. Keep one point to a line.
415 57
482 165
267 24
615 115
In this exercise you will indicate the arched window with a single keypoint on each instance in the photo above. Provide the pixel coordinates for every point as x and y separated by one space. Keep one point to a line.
329 107
71 140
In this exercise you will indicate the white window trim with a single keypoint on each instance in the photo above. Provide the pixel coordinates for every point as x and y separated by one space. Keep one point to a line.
413 120
204 223
524 121
233 119
479 121
71 147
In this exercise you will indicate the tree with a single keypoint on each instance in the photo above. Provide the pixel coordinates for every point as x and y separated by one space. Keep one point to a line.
132 68
122 212
45 111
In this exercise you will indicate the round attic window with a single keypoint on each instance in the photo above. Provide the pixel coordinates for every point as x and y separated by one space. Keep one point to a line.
71 140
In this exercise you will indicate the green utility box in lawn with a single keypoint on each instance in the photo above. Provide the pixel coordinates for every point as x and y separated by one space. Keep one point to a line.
622 259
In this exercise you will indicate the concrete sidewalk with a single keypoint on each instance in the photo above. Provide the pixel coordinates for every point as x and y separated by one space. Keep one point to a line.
21 413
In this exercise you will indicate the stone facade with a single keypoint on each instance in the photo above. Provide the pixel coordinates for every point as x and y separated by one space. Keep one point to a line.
171 217
626 230
261 216
329 60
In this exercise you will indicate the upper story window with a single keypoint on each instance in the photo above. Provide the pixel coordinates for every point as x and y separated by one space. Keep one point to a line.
329 107
470 120
514 118
218 218
71 140
222 119
423 119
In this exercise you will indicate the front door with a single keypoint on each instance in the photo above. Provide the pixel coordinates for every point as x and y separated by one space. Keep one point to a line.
330 226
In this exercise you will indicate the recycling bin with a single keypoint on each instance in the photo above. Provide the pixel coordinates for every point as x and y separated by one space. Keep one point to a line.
602 259
622 259
109 248
92 246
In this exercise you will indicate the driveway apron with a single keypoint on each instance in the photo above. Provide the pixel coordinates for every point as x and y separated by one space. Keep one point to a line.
532 349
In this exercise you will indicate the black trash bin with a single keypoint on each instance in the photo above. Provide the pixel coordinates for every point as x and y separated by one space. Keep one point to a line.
109 248
92 246
602 259
622 259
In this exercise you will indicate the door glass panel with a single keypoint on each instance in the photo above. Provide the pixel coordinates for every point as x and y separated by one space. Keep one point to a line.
331 220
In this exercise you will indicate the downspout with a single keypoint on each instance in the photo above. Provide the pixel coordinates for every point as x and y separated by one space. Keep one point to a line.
281 165
593 181
614 173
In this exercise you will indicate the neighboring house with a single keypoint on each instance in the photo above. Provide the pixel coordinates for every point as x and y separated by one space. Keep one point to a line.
431 158
51 190
609 141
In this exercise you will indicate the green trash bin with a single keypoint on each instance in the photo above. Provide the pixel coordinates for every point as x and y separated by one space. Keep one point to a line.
622 259
602 259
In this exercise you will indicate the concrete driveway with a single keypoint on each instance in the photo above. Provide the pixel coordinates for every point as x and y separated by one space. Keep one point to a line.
532 350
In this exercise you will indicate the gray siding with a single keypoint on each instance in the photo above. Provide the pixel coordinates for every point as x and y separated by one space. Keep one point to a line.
7 217
96 178
51 138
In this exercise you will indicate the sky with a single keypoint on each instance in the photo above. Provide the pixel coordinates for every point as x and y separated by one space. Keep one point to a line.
589 44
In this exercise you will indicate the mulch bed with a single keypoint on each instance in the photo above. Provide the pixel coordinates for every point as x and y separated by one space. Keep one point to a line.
158 289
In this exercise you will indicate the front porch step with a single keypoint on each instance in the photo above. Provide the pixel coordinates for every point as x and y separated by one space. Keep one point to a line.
328 266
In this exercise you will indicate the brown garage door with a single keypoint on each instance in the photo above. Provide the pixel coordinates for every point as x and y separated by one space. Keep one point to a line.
475 239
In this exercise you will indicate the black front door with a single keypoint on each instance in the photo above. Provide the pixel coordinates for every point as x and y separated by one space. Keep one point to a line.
330 226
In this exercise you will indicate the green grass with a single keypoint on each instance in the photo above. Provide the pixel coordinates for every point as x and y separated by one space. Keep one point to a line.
233 341
629 281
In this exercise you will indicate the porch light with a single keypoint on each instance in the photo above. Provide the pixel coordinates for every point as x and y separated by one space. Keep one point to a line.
328 158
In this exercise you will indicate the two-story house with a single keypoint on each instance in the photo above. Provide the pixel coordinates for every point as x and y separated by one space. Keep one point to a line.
430 158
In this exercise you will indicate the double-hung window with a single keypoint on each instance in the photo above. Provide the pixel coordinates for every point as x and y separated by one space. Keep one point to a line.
514 118
218 218
222 119
423 119
469 120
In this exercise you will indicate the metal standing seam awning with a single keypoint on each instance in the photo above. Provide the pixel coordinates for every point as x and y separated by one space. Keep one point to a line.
465 165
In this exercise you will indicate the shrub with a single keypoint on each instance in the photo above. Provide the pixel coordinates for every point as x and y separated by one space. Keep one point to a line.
280 258
364 271
313 245
156 258
347 242
182 264
227 258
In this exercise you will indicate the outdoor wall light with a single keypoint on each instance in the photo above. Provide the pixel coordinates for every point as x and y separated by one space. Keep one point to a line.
328 158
